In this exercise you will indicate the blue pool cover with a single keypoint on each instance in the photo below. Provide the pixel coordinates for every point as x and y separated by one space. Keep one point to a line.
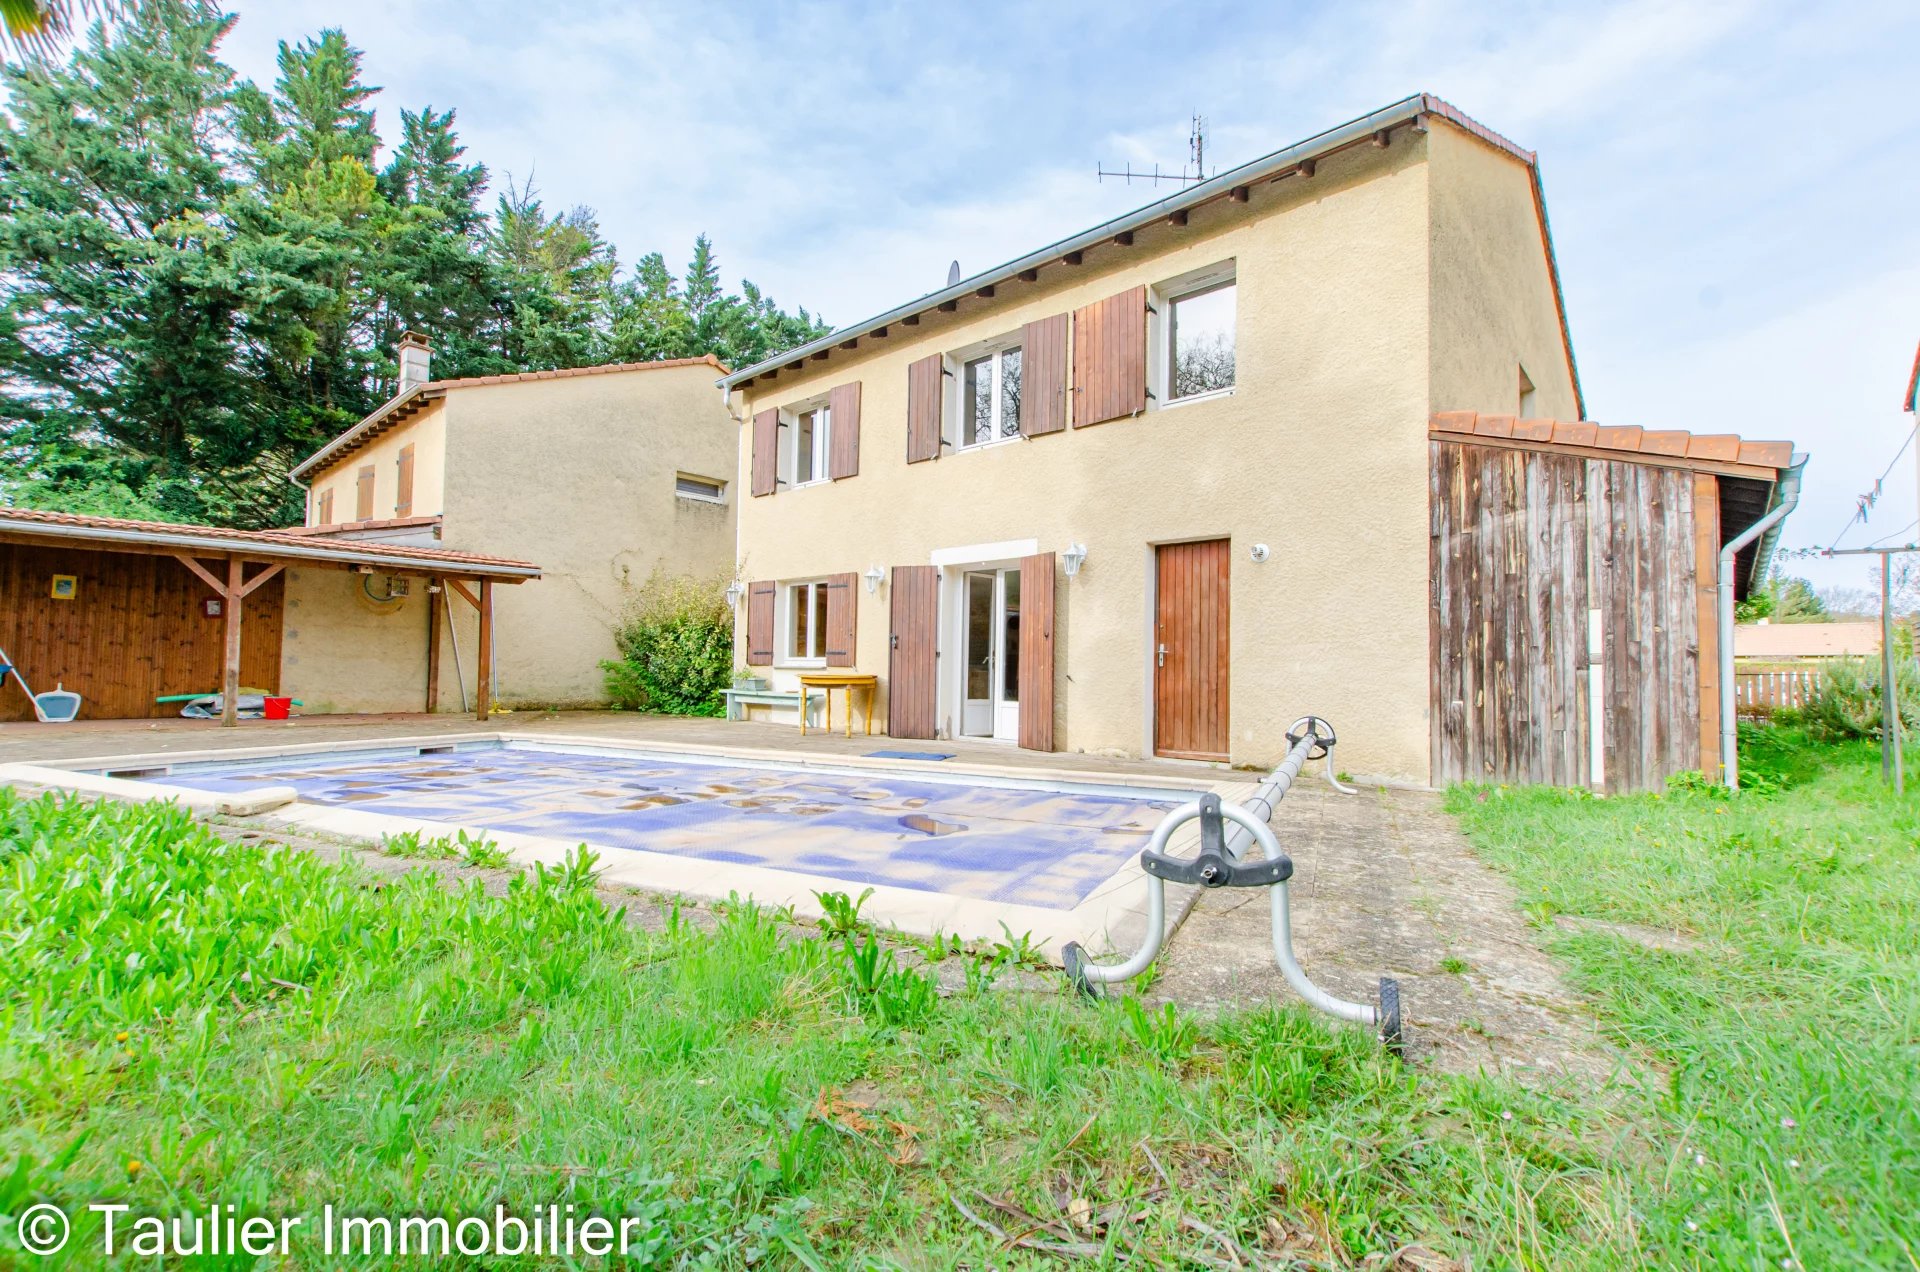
1026 847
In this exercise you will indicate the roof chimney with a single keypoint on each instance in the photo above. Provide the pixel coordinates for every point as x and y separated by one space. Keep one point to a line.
416 359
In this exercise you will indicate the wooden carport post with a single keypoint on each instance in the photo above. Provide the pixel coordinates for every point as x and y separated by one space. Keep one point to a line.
434 589
230 682
485 695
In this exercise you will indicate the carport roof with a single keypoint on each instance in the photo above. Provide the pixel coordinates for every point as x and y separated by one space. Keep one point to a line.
285 547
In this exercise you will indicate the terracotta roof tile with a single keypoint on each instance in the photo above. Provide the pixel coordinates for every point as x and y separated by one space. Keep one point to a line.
214 535
1664 444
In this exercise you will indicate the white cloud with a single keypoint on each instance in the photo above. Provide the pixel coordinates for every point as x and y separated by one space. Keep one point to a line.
1732 184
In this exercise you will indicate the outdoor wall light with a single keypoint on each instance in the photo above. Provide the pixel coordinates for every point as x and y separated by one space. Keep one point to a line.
734 593
1073 558
873 576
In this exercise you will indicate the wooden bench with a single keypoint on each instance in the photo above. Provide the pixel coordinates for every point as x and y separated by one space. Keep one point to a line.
738 700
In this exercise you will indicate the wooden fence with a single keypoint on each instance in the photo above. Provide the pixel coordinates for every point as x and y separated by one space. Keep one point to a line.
1760 691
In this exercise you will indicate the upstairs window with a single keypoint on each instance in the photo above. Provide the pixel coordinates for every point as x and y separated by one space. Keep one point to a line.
988 384
1194 343
809 432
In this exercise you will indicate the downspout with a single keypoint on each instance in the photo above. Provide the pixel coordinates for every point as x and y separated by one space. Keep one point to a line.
1788 494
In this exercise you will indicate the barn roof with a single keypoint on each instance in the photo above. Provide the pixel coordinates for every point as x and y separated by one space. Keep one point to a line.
1750 472
116 533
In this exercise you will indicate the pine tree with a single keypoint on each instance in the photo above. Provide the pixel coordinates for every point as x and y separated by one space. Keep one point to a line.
119 290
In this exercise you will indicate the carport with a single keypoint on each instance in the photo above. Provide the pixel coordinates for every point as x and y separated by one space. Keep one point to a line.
123 612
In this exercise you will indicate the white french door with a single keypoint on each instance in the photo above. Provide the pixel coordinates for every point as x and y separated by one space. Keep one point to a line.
991 691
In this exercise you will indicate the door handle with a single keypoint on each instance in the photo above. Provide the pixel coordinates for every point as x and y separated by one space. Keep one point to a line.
1163 656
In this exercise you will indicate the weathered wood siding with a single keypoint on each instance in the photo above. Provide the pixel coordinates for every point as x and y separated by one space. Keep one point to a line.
134 631
1525 547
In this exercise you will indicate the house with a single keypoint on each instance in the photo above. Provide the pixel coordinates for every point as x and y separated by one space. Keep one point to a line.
1167 485
1795 642
601 474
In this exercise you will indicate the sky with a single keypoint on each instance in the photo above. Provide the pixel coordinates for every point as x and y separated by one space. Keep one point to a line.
1734 188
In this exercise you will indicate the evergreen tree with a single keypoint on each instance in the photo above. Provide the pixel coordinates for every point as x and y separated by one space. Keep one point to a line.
117 278
201 281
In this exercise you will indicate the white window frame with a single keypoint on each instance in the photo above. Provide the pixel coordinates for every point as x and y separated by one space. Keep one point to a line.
789 465
1161 297
719 495
955 406
784 601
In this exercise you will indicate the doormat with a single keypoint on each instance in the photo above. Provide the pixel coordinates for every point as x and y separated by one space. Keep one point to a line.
909 755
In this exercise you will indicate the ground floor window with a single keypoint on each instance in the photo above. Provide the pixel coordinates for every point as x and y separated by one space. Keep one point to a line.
806 625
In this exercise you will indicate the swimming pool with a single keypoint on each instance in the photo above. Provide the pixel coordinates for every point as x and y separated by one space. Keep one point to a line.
1039 847
969 849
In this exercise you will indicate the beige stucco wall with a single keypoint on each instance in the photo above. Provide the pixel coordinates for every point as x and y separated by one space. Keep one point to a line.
426 433
577 475
1493 302
343 651
1320 452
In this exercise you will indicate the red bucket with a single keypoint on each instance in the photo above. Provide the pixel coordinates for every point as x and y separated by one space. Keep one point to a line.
277 708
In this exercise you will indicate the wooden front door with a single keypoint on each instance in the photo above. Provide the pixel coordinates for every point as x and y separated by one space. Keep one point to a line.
912 679
1190 650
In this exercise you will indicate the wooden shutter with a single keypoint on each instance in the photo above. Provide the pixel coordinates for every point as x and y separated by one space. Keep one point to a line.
842 604
1043 374
766 452
326 507
843 442
363 494
926 388
1110 358
403 476
759 624
912 662
1036 652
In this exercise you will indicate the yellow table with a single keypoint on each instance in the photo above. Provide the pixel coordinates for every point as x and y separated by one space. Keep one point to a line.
828 681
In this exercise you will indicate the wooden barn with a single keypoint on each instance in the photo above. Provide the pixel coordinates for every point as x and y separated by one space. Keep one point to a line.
126 612
1575 623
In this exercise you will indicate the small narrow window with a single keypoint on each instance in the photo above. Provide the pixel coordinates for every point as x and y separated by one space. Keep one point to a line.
807 621
700 488
1200 341
1529 396
363 494
403 482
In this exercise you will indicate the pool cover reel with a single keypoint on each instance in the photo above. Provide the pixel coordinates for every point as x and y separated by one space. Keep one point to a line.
1223 863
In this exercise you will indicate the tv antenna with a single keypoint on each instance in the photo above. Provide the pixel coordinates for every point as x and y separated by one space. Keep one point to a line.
1196 148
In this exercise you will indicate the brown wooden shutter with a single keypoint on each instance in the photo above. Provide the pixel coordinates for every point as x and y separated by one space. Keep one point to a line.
403 476
759 624
363 494
912 662
1043 372
326 507
926 388
766 451
842 605
843 453
1110 358
1036 652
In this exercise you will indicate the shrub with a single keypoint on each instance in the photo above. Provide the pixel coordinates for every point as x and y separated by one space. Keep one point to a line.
675 636
1846 701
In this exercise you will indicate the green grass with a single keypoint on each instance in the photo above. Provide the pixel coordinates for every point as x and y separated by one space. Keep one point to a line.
263 1029
1789 1034
191 1020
